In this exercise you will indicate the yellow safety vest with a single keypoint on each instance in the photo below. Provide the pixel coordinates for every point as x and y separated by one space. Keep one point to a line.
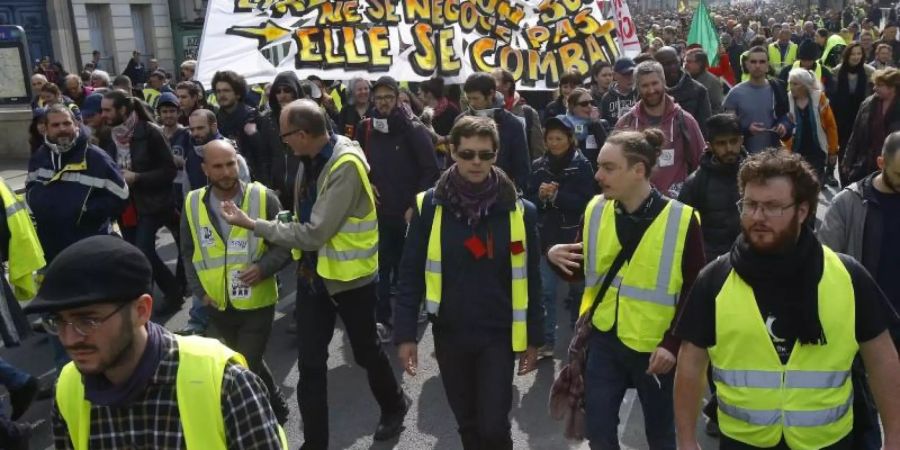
261 91
26 256
218 262
809 400
352 253
818 72
641 298
519 262
151 96
335 95
775 56
201 368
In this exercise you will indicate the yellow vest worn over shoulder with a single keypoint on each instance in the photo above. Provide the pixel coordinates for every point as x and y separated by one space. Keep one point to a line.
151 96
519 262
775 56
833 41
218 261
818 72
809 400
352 252
26 255
641 299
201 368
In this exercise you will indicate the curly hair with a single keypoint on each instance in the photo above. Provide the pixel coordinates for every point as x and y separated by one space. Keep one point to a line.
775 162
237 82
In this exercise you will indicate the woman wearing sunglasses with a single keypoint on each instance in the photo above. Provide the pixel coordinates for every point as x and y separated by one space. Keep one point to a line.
590 129
477 245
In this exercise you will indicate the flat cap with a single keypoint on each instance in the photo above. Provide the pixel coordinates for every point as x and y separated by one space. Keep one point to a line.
98 269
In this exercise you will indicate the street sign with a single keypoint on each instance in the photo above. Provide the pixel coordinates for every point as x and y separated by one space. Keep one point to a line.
15 79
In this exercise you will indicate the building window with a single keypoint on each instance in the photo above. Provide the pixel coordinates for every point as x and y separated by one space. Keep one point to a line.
142 24
99 22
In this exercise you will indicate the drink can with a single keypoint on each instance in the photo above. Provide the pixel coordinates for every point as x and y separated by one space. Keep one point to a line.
285 216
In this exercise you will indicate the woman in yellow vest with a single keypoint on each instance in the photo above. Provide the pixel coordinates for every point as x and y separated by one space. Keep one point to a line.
476 243
780 319
131 382
641 253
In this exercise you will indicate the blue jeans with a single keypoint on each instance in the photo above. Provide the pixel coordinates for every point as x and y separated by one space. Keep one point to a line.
612 368
12 377
198 316
391 237
549 283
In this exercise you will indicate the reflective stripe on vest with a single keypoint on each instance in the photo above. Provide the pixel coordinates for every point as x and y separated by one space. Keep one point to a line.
808 401
642 297
201 368
775 56
219 260
352 253
47 176
518 269
151 96
25 254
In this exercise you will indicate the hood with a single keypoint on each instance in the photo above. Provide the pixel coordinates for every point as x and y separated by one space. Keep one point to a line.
286 78
668 114
709 162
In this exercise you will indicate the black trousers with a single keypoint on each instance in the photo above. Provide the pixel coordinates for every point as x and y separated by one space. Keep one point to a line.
477 373
247 332
315 316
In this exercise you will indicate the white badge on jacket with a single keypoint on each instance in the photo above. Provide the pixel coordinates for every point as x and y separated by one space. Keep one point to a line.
590 143
380 125
667 158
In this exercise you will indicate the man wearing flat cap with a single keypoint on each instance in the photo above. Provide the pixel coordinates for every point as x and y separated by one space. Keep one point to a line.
124 386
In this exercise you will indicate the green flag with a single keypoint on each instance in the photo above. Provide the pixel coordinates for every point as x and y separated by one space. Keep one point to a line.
703 32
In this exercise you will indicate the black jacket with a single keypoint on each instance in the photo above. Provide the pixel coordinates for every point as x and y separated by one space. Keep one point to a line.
692 96
713 191
476 293
861 155
560 218
513 156
234 127
151 159
283 162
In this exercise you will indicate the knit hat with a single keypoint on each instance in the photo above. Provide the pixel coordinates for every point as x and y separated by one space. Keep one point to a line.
808 51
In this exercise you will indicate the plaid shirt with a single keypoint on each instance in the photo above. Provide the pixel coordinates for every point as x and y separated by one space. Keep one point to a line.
154 422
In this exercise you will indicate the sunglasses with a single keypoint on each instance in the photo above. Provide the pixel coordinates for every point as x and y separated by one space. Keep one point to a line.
468 155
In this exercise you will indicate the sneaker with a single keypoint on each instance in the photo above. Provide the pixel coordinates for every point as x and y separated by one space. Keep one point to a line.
391 424
385 333
545 351
21 398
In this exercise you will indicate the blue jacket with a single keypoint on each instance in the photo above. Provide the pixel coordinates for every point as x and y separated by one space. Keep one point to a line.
514 156
560 217
476 295
402 162
73 195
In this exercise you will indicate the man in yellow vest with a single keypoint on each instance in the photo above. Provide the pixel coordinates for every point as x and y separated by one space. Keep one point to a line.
230 269
131 382
808 58
484 306
780 319
783 52
335 235
640 255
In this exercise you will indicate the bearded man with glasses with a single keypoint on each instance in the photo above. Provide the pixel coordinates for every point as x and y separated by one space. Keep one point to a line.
781 319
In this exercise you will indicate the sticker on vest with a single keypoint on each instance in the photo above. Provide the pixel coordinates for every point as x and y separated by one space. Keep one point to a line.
237 246
380 125
239 289
206 237
579 128
667 158
590 143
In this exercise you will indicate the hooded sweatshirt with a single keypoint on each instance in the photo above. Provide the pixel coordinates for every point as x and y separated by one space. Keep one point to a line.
693 97
284 163
616 104
681 150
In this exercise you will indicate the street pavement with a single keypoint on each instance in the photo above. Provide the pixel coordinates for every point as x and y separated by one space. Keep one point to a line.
353 411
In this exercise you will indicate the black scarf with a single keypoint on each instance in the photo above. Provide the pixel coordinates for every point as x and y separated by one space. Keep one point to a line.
798 270
845 97
99 391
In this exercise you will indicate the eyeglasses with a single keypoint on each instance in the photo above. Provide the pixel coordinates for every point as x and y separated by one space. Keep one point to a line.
749 208
584 103
385 98
84 326
289 133
468 155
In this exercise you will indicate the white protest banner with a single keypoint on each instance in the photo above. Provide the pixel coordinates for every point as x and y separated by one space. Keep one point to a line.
410 40
627 32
